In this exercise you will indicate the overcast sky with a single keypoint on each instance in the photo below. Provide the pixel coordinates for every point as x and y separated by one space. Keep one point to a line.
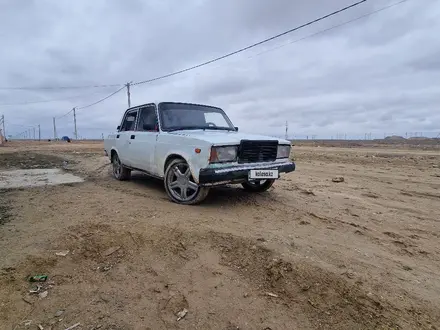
380 74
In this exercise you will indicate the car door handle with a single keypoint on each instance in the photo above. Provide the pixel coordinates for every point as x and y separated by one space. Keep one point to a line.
132 137
117 136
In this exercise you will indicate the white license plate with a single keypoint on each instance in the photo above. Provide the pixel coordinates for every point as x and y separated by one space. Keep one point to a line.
263 174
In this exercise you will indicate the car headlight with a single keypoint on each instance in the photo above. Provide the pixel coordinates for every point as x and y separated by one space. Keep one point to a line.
223 154
283 151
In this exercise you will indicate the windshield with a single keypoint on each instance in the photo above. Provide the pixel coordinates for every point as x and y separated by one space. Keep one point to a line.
177 116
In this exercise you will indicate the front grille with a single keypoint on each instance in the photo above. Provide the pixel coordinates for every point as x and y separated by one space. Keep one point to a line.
257 151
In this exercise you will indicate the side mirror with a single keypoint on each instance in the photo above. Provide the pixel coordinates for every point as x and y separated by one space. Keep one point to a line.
118 128
236 128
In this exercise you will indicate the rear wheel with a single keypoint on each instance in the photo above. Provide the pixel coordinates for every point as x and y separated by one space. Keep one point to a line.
258 185
120 172
180 185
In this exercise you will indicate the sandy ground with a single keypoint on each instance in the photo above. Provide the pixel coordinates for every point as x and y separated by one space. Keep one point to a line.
35 177
308 254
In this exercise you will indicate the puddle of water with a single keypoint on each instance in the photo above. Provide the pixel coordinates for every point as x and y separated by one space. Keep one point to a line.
35 178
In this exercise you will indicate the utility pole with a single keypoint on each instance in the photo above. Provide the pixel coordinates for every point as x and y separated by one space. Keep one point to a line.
74 121
34 133
128 94
39 132
287 129
54 129
3 123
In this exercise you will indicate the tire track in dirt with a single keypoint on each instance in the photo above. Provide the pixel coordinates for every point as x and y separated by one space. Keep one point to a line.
327 302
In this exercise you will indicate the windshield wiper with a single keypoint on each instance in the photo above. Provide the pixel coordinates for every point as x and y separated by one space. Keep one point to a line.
221 128
181 128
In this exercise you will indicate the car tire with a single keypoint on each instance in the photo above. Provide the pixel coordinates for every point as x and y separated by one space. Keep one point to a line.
258 186
120 172
180 186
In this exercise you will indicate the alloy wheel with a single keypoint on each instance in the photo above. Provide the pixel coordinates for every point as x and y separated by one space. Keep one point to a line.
181 184
117 166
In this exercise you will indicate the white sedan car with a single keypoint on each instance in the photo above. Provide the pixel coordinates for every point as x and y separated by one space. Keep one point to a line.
193 147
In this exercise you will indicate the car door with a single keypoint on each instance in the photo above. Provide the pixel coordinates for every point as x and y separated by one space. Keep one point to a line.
123 138
143 143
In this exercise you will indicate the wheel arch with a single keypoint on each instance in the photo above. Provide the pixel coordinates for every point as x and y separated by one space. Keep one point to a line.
172 157
112 153
186 158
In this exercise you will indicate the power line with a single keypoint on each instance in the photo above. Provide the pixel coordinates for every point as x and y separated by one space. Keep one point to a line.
59 87
47 101
213 60
331 28
62 116
103 99
78 108
324 31
92 104
251 46
18 125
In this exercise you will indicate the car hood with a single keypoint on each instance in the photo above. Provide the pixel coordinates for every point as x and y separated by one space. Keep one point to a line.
224 137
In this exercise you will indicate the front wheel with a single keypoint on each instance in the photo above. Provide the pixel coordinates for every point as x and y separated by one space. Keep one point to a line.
180 185
258 185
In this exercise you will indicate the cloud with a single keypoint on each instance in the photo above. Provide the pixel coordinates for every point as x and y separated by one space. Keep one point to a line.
377 74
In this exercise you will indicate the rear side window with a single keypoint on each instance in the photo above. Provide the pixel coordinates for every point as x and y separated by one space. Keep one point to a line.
148 120
129 123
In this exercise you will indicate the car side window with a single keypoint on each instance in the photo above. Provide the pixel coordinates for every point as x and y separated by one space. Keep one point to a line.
129 121
148 120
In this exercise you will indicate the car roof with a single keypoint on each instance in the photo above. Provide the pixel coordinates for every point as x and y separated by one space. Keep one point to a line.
156 103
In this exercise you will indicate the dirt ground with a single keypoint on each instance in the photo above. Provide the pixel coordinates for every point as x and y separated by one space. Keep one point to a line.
308 254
